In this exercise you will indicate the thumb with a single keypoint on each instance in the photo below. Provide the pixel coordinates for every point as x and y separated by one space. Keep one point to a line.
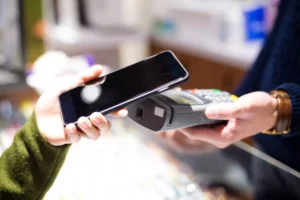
86 76
223 111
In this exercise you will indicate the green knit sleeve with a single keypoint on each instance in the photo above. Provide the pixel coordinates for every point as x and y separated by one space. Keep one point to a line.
30 165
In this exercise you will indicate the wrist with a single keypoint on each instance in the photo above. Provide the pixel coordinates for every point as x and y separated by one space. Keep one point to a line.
282 113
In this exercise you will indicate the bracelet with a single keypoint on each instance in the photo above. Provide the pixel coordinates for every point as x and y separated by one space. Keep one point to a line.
284 109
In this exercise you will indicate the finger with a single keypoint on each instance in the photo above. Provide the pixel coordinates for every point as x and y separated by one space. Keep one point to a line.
161 134
193 91
230 130
227 133
90 74
181 139
167 136
81 132
100 122
177 89
175 141
173 135
120 113
72 134
183 144
176 136
210 135
223 111
87 127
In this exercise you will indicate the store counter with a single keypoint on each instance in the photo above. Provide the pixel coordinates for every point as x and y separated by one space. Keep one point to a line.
133 163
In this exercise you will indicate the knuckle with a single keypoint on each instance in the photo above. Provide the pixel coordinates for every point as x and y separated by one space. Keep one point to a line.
248 108
191 136
172 135
177 144
181 143
225 113
234 126
233 130
234 112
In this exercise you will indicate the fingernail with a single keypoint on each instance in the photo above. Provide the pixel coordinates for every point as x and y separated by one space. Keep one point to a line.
161 134
85 124
123 112
89 72
97 66
70 132
97 120
212 111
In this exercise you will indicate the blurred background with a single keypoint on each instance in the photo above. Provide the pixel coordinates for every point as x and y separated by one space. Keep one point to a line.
44 41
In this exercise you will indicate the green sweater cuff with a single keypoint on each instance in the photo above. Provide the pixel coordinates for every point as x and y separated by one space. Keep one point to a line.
30 165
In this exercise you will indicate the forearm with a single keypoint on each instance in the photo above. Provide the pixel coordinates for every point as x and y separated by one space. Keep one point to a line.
30 165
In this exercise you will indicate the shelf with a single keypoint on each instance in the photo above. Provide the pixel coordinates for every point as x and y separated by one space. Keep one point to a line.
91 38
240 57
17 92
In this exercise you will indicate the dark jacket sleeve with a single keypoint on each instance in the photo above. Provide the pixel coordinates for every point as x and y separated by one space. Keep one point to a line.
294 92
30 165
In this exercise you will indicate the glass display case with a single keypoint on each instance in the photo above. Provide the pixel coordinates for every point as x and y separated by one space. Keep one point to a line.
133 163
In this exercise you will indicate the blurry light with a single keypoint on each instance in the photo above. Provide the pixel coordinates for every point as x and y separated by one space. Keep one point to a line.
191 188
90 94
65 34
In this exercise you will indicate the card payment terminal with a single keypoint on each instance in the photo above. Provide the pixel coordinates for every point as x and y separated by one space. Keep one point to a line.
175 109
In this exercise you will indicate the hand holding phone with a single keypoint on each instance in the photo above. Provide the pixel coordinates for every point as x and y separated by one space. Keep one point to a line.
123 87
51 124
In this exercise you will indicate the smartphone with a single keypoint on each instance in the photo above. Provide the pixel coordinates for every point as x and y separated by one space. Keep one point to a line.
116 90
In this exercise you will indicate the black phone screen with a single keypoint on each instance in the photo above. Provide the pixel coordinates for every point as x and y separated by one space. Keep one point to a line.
104 93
